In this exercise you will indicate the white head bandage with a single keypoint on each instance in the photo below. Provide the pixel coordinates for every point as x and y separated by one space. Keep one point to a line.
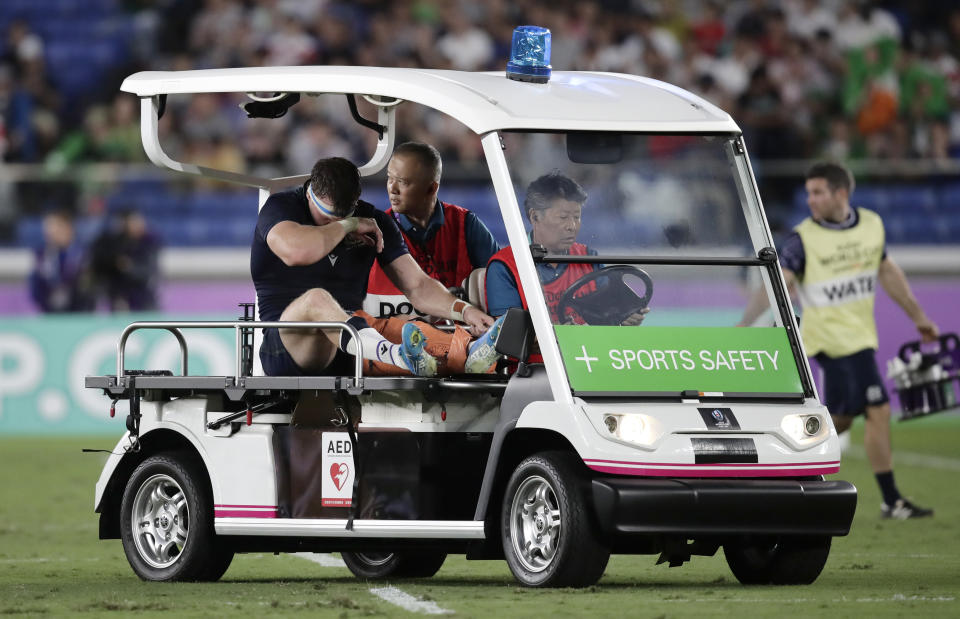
323 208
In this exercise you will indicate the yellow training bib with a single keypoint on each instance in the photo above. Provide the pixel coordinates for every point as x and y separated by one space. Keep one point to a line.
838 286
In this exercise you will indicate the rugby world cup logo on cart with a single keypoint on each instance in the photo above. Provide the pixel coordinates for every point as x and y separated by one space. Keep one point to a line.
719 418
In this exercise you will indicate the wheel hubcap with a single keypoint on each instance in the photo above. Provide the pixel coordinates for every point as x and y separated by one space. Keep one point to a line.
535 524
374 559
160 521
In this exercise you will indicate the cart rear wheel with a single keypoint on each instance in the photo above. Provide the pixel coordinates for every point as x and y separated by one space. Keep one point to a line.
778 560
549 537
408 564
166 522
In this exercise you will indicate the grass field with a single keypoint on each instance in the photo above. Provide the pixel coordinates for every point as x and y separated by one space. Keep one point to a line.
51 562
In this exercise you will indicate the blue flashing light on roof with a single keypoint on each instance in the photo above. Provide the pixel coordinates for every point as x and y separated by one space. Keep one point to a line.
530 55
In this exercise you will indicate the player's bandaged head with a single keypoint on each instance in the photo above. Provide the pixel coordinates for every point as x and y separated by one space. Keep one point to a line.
334 187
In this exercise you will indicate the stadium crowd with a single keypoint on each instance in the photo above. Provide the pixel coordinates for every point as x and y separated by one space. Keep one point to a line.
837 79
804 78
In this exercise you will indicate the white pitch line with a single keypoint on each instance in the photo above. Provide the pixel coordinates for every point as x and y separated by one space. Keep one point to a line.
46 560
910 458
407 602
899 597
896 597
321 558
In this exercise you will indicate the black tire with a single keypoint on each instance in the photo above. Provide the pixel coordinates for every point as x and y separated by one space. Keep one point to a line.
547 496
785 560
173 539
407 564
220 561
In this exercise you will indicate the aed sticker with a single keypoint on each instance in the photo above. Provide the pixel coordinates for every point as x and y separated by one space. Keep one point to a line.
337 470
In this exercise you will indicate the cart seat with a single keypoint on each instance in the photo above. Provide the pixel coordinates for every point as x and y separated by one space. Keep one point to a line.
475 287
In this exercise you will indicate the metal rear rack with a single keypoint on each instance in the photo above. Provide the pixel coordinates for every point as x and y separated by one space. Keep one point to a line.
240 328
242 381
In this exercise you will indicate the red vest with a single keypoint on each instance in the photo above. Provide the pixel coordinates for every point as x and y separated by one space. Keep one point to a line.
444 258
552 290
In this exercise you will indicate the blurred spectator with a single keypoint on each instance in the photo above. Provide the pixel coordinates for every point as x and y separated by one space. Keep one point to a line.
290 44
125 263
216 23
315 141
710 31
466 47
61 281
108 134
764 118
805 18
25 47
861 24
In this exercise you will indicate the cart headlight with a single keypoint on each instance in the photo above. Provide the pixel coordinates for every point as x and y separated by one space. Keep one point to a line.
630 427
612 422
802 427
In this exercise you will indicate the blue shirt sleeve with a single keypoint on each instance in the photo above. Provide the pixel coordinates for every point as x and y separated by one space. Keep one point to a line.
792 256
502 290
393 243
480 242
277 208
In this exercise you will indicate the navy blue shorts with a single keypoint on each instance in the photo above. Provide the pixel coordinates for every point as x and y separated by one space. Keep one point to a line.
276 361
852 383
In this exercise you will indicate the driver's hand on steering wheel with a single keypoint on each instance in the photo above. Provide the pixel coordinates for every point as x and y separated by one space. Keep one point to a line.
635 319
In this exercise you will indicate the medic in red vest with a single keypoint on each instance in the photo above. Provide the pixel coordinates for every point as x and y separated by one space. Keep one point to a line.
553 204
446 240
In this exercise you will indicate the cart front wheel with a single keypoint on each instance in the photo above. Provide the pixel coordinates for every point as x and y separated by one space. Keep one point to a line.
777 560
548 533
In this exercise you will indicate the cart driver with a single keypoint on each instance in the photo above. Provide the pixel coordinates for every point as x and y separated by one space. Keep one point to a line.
553 204
312 251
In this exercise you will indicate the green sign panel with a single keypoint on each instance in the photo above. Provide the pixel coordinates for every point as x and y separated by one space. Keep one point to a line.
714 359
44 359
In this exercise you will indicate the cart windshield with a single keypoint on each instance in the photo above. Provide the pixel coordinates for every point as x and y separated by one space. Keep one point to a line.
646 252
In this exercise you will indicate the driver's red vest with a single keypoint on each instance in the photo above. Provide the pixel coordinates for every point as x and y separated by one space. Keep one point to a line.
444 258
553 290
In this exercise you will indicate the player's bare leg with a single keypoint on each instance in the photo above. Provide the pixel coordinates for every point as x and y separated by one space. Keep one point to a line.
876 438
312 349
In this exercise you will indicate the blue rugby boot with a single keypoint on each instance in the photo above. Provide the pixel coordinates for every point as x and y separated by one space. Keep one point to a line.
418 360
483 355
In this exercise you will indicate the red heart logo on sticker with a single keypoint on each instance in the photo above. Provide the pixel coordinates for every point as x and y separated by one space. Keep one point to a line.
339 472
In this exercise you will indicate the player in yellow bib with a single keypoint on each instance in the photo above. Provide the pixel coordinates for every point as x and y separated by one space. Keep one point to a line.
832 261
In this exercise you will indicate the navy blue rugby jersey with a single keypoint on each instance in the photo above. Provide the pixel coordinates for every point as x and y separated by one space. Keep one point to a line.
343 272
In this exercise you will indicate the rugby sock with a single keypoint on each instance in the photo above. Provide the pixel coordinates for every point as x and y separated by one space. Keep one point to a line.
375 347
888 488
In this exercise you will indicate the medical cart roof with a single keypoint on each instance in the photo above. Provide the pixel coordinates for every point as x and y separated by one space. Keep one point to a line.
484 102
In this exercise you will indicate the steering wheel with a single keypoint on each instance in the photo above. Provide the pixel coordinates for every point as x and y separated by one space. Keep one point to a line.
608 295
